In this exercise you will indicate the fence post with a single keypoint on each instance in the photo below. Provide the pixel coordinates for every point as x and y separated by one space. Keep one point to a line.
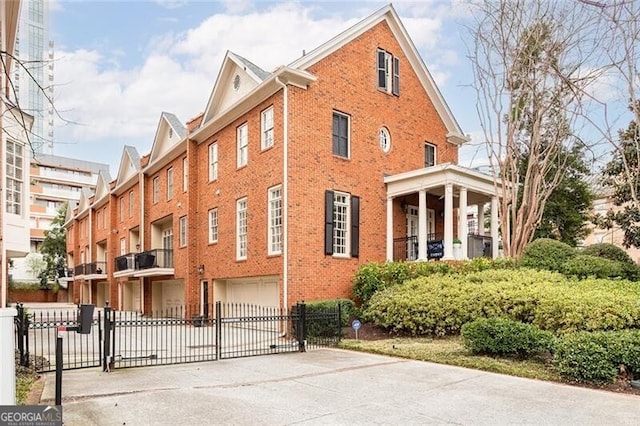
302 326
106 354
20 331
339 320
218 320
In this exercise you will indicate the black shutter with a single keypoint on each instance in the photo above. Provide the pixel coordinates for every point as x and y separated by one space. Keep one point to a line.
355 226
328 222
396 76
382 70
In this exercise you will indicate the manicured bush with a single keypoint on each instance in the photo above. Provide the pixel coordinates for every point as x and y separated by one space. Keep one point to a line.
596 357
548 254
583 266
501 336
608 251
441 304
347 308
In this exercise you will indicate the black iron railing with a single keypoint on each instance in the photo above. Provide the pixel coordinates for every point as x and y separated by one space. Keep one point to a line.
479 246
95 268
406 248
125 262
156 258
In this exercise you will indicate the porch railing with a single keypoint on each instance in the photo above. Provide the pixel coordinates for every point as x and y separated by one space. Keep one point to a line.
406 248
156 258
125 262
479 246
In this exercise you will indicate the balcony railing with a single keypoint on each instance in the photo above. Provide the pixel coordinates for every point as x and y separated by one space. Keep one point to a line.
156 258
125 262
93 268
65 272
406 248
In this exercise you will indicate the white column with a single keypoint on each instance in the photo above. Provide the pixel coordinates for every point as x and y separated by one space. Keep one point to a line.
463 225
448 221
389 229
494 226
7 363
481 219
422 225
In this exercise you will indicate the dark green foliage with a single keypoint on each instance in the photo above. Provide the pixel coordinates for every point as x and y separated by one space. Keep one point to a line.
548 254
54 247
595 357
326 327
583 266
347 308
608 251
500 336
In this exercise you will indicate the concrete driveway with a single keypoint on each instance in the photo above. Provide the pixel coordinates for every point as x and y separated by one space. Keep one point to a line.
327 386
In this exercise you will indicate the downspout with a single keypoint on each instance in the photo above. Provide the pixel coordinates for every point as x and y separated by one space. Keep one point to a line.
142 199
285 192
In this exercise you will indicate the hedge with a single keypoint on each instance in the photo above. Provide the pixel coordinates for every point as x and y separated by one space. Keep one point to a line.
596 357
547 254
583 266
440 304
501 336
326 327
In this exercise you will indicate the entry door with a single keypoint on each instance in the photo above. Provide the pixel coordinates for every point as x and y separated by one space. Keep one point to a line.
167 245
412 233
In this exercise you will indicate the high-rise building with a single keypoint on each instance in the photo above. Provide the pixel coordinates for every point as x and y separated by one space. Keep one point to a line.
33 73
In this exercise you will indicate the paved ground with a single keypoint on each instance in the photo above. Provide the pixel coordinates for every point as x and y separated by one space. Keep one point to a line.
327 386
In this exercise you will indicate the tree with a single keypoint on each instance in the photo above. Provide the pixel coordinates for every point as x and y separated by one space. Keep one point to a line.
54 246
622 175
529 61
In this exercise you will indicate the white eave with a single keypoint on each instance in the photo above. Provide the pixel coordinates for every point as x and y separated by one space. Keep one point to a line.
166 158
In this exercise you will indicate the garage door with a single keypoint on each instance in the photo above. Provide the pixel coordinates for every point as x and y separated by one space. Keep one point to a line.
254 291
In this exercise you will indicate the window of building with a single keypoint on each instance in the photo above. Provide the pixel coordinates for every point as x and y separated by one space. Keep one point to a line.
429 155
275 220
266 127
169 183
213 162
241 229
99 219
121 205
130 203
104 218
213 226
388 72
14 180
242 137
156 189
183 231
384 139
342 224
340 134
123 246
185 175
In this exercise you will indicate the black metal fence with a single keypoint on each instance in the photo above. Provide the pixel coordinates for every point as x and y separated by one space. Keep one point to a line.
36 334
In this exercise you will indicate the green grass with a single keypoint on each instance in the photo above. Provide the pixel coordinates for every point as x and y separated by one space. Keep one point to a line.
450 351
23 386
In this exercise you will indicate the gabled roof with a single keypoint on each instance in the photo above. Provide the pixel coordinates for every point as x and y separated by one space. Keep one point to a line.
170 132
235 69
389 15
84 203
129 165
102 185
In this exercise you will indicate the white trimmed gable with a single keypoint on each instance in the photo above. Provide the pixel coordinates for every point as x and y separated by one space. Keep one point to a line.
84 203
237 77
128 165
168 134
102 186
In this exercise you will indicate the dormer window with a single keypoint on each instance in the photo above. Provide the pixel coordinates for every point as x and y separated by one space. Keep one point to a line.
388 72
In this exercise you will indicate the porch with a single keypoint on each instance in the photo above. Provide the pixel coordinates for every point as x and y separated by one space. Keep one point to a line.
427 209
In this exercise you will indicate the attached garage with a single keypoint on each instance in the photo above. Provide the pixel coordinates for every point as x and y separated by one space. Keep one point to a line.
167 295
130 296
102 293
261 291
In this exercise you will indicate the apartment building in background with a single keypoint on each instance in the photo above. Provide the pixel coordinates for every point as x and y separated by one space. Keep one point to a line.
285 184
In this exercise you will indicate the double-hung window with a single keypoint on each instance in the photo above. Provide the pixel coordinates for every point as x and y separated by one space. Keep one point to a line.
429 155
241 229
342 224
185 175
213 226
169 183
183 231
213 162
275 221
130 203
121 203
388 72
14 178
156 189
242 137
266 128
340 135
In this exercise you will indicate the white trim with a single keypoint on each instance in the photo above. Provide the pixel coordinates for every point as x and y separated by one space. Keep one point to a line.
182 231
213 161
242 226
209 227
242 145
271 228
267 127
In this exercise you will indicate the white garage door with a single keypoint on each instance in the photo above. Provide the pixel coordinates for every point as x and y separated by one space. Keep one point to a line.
254 291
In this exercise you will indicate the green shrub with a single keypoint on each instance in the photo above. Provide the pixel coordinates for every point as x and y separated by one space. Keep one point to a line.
321 327
583 266
441 304
608 251
596 357
500 336
548 254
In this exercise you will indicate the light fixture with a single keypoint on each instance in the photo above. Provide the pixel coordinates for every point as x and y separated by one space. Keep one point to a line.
404 206
200 269
138 247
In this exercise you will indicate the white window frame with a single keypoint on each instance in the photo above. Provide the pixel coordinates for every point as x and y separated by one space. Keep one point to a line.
183 231
123 246
241 229
341 224
213 226
121 213
391 69
14 179
274 221
242 142
266 128
169 183
131 203
156 189
185 175
213 162
427 146
333 134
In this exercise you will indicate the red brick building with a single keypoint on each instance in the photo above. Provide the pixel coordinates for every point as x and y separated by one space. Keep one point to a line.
286 183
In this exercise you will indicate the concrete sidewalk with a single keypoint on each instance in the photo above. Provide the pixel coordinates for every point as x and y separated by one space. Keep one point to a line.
327 386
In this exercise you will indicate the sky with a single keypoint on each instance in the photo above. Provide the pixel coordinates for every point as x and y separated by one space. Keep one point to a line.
120 64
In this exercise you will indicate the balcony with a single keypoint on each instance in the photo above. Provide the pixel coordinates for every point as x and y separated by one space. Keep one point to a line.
125 265
91 271
154 262
65 274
